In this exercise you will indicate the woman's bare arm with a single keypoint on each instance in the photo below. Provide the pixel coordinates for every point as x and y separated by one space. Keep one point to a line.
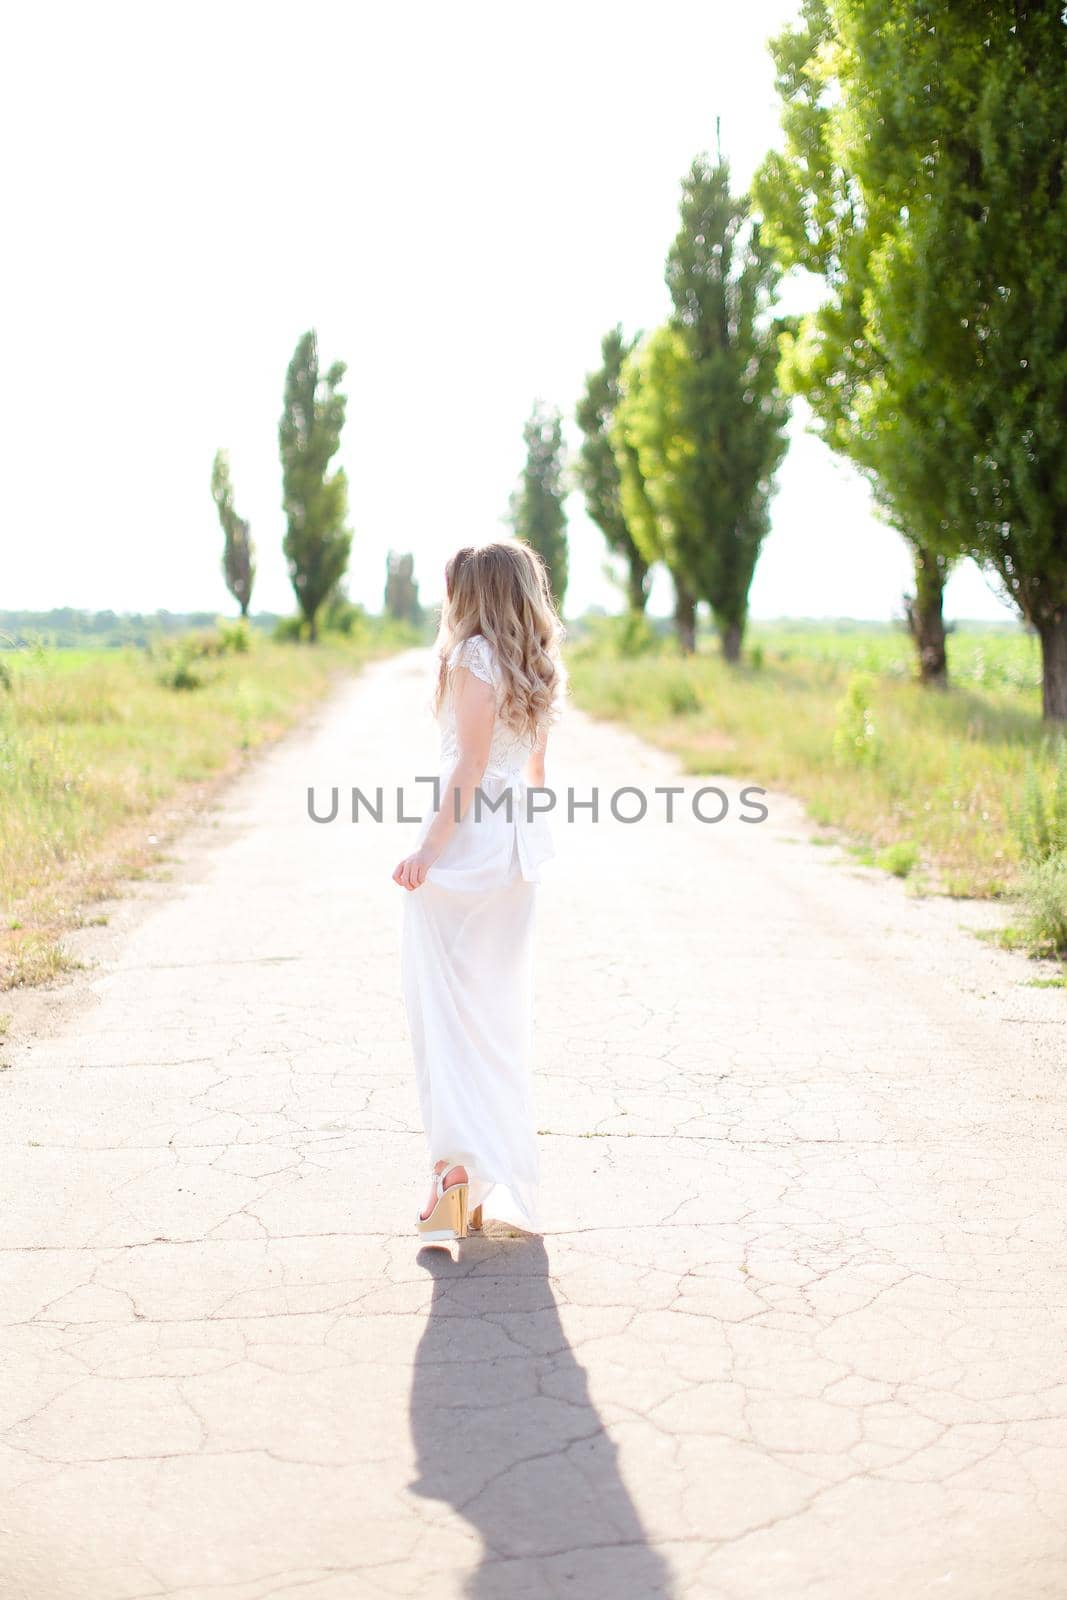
475 712
535 765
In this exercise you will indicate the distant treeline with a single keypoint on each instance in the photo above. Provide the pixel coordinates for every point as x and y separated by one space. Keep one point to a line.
594 616
66 628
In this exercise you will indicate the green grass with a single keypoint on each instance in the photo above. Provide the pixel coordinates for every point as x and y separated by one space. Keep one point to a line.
983 657
915 777
100 762
899 858
1044 888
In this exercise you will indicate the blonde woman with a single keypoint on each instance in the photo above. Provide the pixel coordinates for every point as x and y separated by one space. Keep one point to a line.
469 914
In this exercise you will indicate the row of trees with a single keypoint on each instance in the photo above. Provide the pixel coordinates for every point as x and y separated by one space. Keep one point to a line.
317 542
922 183
697 428
682 430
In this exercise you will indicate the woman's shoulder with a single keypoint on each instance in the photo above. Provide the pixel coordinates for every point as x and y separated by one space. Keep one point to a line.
477 655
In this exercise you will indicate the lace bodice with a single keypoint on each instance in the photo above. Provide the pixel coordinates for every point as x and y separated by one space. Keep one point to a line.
509 751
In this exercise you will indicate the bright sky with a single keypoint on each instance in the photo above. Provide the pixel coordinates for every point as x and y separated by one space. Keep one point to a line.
460 199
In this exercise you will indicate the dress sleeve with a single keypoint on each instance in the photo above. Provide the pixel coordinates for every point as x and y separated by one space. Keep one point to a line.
474 654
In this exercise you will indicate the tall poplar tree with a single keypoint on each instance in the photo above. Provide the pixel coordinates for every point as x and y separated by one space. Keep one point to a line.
827 210
645 435
401 589
315 500
723 279
536 509
597 469
706 417
238 563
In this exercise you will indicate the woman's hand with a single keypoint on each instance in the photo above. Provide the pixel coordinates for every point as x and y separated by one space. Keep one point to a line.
411 872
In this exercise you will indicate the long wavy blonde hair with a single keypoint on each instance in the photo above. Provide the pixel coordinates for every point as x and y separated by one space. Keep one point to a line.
501 590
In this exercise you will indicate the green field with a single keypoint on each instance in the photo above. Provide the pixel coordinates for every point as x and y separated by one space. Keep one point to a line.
988 657
102 758
925 783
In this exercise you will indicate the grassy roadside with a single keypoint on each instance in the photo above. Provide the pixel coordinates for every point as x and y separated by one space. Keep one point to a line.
925 784
102 759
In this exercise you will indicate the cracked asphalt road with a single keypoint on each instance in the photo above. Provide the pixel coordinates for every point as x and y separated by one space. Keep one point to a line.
797 1324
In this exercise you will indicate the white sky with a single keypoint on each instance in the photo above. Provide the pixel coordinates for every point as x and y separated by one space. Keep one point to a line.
460 199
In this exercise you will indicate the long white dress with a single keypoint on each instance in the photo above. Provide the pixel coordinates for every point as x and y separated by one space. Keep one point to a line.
467 967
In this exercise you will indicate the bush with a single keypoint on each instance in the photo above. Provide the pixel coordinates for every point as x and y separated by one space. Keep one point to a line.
633 635
176 660
1040 823
291 630
234 636
624 637
175 667
1044 890
855 737
342 616
899 858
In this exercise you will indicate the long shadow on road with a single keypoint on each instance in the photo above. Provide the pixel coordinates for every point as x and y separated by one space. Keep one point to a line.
507 1435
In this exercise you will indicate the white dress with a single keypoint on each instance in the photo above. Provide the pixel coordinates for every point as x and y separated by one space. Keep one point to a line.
467 968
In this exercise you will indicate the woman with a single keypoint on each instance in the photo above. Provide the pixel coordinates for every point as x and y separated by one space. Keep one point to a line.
468 919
